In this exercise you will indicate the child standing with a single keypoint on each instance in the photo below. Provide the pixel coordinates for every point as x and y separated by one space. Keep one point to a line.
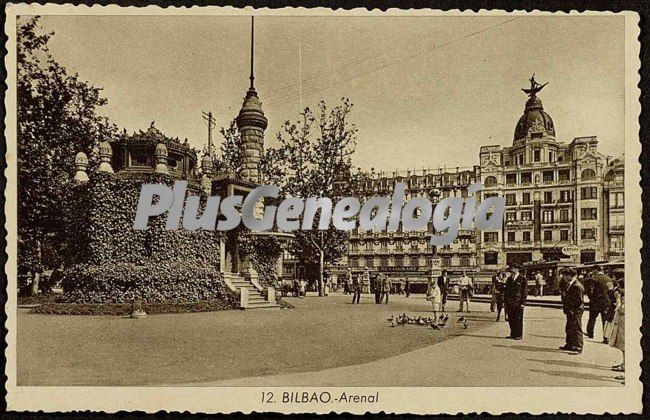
435 297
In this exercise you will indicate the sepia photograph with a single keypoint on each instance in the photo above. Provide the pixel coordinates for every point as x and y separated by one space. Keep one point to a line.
316 211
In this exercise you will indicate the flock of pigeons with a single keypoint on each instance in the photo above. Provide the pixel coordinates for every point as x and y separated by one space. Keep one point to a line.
436 324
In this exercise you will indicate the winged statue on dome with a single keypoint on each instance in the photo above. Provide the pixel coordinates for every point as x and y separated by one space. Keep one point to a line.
534 86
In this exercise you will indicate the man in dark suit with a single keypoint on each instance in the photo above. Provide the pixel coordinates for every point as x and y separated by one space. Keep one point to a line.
514 298
356 288
573 305
443 284
599 304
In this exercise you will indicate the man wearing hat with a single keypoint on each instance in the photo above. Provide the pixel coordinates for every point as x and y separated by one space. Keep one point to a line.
573 305
514 298
597 291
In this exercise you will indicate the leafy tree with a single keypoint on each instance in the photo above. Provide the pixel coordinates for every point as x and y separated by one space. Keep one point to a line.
316 156
57 117
313 159
228 158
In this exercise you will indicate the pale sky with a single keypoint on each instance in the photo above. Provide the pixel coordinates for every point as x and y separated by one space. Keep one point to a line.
427 91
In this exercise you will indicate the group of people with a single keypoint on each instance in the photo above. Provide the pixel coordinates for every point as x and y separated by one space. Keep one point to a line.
381 286
297 288
606 299
438 290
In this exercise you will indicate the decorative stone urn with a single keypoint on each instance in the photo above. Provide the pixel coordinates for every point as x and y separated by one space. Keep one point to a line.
81 163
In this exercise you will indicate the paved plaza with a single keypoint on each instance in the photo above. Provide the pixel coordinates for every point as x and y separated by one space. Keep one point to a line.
321 342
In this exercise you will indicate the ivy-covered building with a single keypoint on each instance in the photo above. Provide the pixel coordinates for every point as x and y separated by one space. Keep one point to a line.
109 261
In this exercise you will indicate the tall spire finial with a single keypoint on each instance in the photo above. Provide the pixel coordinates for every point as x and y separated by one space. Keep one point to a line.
252 49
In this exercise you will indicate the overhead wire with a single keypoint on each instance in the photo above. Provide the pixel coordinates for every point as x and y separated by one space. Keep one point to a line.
288 99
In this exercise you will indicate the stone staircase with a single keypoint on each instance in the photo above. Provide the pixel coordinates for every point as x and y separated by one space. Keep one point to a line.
251 297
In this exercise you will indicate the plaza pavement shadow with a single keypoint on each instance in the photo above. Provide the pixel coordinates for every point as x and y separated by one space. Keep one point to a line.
460 334
570 364
548 336
577 375
530 348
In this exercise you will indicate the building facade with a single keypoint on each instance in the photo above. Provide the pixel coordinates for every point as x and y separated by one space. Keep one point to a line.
615 210
556 206
564 201
409 254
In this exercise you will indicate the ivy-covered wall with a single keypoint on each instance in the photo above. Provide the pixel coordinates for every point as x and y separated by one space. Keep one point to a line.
107 260
263 252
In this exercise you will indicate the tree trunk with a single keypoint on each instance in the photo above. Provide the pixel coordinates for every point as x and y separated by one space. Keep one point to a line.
37 275
321 267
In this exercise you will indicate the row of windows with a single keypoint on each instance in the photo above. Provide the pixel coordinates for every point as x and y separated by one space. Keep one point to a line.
526 178
413 262
537 157
548 216
565 196
565 235
369 245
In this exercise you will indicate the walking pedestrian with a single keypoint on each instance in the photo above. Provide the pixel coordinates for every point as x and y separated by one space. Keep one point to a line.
493 291
515 301
303 288
617 337
407 287
539 283
443 284
499 288
573 305
326 286
378 281
466 286
356 289
385 289
597 290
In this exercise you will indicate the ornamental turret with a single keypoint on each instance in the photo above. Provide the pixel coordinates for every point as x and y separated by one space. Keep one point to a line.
251 123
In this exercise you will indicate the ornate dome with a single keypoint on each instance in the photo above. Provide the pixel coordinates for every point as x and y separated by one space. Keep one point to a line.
534 121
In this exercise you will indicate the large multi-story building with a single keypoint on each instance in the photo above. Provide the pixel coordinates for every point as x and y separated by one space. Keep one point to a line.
555 196
410 253
564 201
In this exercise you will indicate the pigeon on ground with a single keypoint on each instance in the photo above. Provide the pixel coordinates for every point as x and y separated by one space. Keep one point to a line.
461 319
391 318
392 323
465 323
435 327
443 323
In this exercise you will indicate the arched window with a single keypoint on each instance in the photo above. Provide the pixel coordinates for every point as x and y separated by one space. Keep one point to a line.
588 174
490 181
